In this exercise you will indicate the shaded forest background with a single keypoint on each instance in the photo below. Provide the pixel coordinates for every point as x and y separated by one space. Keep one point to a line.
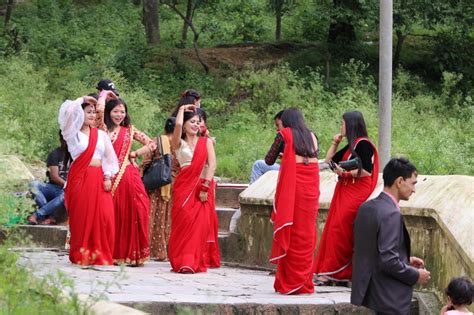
255 57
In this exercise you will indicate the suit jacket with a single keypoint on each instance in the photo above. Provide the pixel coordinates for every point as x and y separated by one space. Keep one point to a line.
382 277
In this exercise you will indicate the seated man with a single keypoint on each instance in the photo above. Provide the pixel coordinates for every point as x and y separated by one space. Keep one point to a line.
260 167
50 196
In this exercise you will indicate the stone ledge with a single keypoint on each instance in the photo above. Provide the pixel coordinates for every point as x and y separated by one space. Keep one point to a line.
433 198
439 216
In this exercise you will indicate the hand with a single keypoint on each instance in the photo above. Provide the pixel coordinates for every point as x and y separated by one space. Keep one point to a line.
338 170
417 262
89 100
132 159
110 95
424 276
203 196
107 184
188 108
337 138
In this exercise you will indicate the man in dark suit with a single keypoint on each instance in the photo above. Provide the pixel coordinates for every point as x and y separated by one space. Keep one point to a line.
383 271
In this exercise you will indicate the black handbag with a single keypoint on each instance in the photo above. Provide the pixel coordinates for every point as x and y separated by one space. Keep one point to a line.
348 165
158 172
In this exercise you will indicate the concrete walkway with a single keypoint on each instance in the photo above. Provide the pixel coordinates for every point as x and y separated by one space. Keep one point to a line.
154 288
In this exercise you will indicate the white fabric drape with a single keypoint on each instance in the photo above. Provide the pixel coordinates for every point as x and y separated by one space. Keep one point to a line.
71 119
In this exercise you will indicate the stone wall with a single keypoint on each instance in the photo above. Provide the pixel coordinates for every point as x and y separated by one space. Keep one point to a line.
439 217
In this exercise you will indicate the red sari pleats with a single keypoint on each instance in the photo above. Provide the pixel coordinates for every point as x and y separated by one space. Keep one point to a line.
90 209
294 217
131 205
334 255
193 242
212 253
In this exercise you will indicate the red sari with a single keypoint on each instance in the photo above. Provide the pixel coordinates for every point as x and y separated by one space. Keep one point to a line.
131 205
90 209
193 245
294 222
334 256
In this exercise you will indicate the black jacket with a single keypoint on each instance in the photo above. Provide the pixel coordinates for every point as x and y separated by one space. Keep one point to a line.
382 277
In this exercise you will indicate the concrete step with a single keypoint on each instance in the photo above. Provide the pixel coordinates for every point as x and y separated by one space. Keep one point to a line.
224 216
54 236
227 195
226 290
50 236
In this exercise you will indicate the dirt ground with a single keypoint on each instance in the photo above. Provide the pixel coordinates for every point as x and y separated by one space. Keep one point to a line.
239 56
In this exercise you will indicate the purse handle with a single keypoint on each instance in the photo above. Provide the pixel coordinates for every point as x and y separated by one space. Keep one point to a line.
160 148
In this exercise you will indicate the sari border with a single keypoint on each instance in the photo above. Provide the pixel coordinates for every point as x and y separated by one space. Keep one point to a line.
125 161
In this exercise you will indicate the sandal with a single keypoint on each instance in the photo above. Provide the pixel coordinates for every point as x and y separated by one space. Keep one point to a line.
322 282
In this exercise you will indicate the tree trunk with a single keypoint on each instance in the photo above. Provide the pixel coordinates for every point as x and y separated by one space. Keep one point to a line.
195 32
342 29
278 13
189 16
342 32
151 21
398 49
8 13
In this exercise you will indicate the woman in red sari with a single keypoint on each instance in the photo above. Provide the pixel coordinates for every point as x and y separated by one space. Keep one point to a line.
193 244
296 205
333 260
131 201
87 194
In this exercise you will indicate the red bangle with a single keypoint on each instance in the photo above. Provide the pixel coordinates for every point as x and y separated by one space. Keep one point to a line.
205 182
204 189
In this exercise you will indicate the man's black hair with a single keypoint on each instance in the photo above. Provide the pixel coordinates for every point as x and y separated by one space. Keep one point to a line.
395 168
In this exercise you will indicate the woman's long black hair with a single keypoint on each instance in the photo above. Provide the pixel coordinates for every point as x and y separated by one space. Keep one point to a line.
302 136
187 116
355 128
188 97
111 104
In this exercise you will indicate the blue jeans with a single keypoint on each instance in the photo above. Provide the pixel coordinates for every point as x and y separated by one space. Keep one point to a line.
260 167
48 197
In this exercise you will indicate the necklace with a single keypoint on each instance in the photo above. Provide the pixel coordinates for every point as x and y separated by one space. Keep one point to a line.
114 134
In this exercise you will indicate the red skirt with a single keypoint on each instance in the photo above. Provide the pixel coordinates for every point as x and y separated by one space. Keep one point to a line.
193 244
91 220
132 208
334 255
294 273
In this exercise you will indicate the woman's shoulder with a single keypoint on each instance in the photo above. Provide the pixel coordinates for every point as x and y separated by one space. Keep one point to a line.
364 143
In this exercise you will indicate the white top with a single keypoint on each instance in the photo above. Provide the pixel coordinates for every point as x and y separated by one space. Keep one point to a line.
71 119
